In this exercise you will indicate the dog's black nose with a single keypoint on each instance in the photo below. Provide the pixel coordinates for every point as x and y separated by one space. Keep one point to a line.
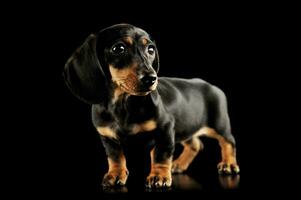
148 80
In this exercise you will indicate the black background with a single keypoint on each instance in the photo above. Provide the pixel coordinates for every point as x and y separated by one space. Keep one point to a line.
234 47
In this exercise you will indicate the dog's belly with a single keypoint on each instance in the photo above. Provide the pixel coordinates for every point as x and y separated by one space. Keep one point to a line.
185 130
183 136
201 131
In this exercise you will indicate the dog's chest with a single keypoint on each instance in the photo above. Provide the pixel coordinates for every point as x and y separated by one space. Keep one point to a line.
134 117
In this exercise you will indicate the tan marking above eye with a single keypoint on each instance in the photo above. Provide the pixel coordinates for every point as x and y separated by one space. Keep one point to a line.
128 40
144 41
146 126
107 132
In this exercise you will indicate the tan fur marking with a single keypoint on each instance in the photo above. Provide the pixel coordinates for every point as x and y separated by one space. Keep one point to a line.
206 131
107 132
144 41
117 165
117 93
160 170
148 125
126 79
163 169
128 40
117 170
190 151
121 74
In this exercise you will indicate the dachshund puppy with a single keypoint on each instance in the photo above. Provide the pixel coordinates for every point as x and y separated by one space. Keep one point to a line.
116 71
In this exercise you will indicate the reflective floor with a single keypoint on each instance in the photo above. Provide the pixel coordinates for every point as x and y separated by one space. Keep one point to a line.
182 183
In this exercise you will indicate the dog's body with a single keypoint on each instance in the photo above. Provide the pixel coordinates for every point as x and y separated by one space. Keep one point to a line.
117 73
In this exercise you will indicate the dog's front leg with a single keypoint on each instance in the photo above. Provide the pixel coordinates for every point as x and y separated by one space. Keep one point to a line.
161 158
117 173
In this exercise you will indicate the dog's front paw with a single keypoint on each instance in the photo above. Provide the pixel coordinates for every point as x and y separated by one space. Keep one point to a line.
159 179
115 178
228 168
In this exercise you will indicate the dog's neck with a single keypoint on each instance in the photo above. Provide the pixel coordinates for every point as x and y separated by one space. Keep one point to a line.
140 107
117 94
121 98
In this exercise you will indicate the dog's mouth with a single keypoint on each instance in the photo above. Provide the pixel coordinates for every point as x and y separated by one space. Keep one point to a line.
129 83
136 90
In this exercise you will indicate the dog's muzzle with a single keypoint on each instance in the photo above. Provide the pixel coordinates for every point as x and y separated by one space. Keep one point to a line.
148 80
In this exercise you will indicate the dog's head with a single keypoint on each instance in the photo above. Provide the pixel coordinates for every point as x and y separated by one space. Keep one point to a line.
121 56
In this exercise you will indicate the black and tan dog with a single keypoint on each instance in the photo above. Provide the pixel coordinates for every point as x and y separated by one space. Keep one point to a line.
116 71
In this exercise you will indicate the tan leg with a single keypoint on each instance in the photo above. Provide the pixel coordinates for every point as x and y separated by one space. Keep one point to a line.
117 174
191 149
228 165
160 175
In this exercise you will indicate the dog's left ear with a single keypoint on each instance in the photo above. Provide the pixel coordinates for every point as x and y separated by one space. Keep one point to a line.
83 73
156 63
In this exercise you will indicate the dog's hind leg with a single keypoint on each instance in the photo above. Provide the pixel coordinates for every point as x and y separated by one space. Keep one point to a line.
191 149
228 165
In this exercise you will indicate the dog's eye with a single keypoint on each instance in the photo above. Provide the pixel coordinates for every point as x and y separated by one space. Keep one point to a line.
118 48
151 49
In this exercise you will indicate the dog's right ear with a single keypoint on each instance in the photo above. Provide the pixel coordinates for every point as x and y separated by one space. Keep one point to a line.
84 75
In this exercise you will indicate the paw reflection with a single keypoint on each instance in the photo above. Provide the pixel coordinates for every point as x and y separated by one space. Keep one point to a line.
180 182
162 189
229 181
116 189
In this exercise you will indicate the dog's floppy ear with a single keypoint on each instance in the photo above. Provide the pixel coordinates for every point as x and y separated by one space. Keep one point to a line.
84 75
156 63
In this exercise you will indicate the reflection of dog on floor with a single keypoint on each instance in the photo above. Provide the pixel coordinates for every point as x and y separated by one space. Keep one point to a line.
116 71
